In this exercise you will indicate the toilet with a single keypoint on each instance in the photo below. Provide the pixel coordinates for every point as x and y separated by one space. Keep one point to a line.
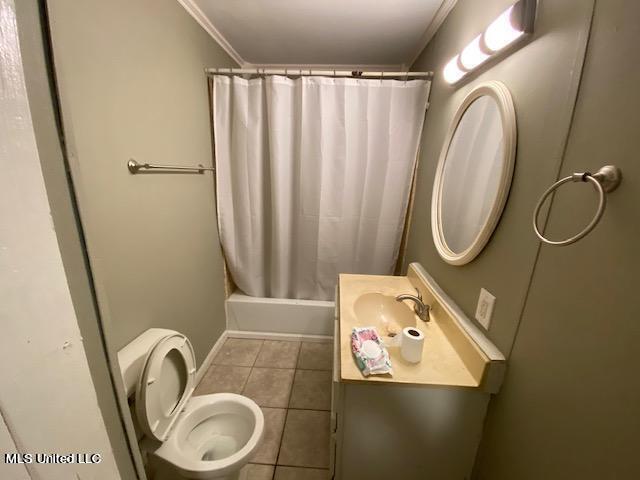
204 437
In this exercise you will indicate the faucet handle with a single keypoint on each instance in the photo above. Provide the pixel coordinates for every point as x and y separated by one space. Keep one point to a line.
419 294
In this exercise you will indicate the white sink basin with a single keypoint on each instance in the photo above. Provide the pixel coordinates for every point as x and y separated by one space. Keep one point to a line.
379 310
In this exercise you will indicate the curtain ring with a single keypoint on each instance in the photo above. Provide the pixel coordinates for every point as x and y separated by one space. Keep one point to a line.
285 73
381 77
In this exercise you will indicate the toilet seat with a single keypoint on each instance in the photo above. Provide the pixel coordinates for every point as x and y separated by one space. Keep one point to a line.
165 385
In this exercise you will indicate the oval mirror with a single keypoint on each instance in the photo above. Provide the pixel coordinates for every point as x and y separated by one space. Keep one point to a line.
474 173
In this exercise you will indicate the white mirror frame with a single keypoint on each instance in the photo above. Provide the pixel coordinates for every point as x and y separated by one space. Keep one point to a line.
499 92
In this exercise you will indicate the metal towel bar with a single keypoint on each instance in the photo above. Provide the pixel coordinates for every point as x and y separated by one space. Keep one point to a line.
136 167
604 181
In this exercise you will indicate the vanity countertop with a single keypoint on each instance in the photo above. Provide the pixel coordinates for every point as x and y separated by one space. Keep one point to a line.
449 356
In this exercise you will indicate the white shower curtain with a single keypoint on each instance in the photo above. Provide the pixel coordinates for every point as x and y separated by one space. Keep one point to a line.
313 178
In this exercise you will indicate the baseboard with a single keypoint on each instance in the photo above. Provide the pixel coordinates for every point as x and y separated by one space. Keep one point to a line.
291 337
210 356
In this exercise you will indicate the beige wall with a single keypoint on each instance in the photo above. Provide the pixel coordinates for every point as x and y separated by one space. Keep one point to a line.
542 76
131 84
570 406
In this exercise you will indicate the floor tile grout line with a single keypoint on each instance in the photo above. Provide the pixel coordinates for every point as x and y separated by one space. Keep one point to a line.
284 426
257 353
279 368
251 370
307 409
300 466
288 466
246 380
299 354
286 415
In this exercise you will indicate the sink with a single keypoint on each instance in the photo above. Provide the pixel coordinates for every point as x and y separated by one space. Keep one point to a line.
378 310
455 352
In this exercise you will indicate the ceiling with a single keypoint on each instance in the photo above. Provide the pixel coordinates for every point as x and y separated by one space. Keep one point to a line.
363 33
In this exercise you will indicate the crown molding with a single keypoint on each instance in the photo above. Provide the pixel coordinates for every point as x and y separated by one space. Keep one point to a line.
199 16
436 23
327 66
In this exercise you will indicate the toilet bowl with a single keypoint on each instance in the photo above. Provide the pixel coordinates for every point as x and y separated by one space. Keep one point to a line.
215 437
205 437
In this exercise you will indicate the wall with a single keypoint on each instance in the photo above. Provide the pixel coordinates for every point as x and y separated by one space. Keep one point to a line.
569 405
48 403
41 94
131 84
543 77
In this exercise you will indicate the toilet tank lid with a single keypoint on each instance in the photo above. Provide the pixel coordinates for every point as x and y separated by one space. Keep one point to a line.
132 356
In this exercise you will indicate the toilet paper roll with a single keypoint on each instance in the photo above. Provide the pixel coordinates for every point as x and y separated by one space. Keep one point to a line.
411 345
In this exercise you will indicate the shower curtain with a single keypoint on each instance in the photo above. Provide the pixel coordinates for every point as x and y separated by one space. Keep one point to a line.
313 178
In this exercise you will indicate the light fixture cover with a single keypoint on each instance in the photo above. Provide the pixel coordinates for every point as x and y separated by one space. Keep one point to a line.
472 55
502 32
452 73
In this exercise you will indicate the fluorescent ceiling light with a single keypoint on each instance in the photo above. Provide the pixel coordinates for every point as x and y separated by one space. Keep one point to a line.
452 73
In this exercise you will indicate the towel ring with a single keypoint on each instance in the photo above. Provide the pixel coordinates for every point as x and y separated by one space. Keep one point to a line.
604 180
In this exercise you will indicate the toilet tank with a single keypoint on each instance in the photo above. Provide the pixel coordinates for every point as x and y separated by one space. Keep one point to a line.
132 356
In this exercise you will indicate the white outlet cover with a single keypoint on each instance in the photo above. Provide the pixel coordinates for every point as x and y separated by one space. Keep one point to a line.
484 310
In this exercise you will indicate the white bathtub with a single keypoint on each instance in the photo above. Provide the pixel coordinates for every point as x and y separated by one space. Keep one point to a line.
277 315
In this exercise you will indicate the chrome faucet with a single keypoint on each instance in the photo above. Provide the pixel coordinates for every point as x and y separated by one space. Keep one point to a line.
420 308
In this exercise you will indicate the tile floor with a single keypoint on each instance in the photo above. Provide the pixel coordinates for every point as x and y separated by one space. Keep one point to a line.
291 381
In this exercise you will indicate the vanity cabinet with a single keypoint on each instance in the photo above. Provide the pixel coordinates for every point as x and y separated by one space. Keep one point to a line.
399 427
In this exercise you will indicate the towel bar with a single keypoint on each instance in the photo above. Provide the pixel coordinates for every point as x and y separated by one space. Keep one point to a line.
136 167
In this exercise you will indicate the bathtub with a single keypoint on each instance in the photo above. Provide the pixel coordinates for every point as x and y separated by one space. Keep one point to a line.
279 315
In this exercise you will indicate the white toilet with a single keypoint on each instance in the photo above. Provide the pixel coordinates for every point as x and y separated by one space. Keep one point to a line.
205 437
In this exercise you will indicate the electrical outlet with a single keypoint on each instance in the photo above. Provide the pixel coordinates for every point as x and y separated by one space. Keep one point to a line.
484 310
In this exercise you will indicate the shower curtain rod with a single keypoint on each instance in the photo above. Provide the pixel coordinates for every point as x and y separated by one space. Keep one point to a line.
313 73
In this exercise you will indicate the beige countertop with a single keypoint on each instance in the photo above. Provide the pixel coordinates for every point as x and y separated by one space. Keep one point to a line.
449 356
